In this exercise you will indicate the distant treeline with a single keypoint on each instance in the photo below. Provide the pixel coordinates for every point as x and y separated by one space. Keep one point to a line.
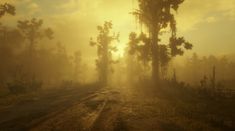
24 60
198 68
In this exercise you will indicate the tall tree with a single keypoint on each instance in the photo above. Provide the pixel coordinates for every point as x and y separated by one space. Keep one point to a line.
7 8
157 15
77 65
10 9
105 48
32 31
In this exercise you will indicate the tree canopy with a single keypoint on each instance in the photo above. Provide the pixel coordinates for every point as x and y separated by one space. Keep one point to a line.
7 8
158 16
105 48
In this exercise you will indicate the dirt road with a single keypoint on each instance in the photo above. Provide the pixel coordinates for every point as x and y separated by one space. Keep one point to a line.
30 110
99 112
72 109
114 109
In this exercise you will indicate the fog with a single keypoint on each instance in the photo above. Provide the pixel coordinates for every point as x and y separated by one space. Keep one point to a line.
111 65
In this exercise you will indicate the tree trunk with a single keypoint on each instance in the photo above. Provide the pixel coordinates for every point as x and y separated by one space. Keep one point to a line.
105 66
213 78
31 60
155 56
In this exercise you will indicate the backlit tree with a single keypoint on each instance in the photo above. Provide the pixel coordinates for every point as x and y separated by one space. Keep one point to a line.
7 8
105 48
157 16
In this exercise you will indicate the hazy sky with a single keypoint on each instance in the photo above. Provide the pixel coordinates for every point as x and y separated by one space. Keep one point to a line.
208 24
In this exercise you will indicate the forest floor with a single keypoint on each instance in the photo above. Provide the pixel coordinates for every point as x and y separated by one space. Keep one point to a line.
117 109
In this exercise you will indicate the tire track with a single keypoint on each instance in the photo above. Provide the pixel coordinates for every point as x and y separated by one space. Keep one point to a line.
97 112
80 116
39 121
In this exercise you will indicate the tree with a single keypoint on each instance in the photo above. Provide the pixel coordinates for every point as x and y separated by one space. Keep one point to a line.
139 46
157 15
11 42
164 57
64 61
10 9
31 30
77 65
105 48
7 8
138 57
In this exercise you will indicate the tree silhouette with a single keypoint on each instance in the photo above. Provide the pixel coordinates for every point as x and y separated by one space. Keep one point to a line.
10 9
157 15
10 42
139 46
105 48
10 39
7 8
164 57
31 30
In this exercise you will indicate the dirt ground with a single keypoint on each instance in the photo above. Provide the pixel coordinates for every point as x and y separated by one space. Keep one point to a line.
113 109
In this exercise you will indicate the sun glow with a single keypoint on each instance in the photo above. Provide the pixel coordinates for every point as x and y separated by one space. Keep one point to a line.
120 52
123 23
